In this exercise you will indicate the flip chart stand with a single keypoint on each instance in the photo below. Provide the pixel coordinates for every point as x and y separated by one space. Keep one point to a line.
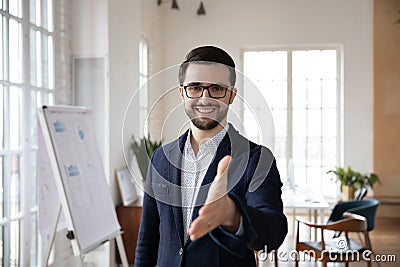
110 230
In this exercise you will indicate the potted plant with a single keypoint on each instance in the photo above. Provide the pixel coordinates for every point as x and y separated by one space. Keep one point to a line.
143 149
351 180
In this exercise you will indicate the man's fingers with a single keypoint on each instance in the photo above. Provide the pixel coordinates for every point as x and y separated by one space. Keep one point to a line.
200 227
219 186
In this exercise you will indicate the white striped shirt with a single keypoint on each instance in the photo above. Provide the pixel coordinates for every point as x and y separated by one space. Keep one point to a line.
194 168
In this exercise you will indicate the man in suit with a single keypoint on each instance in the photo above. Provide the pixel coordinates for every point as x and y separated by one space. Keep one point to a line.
212 196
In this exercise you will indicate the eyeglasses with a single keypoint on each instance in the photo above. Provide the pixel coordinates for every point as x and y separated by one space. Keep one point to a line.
214 90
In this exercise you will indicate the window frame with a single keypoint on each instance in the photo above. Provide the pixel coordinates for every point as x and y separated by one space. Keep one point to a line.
27 145
339 94
142 82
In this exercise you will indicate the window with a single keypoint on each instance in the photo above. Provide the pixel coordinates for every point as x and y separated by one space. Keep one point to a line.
143 94
26 82
301 88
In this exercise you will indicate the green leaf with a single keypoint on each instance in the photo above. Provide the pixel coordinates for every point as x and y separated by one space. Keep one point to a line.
143 151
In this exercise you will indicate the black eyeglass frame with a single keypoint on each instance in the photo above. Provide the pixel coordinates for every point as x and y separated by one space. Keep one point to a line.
207 88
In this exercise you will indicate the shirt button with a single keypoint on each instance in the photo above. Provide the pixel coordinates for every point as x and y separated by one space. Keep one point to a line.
181 251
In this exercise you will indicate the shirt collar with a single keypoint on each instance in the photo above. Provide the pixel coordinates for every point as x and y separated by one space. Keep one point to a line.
211 145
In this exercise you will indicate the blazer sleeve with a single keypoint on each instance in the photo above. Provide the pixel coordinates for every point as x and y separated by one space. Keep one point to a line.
148 238
265 225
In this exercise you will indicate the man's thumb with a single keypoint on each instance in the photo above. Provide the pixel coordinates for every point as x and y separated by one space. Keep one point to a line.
223 165
219 186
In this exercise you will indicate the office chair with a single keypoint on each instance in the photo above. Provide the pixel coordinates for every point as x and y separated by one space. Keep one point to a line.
366 208
351 216
363 192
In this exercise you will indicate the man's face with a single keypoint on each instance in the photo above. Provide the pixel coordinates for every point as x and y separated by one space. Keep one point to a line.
205 112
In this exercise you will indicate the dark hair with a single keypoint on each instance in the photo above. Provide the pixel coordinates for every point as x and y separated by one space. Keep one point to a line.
205 55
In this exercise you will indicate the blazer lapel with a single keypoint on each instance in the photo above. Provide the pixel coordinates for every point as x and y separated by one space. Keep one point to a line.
175 162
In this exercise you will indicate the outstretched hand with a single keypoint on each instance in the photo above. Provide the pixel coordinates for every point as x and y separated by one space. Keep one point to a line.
219 209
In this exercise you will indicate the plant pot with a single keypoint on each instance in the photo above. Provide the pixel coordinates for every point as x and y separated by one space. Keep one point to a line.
348 192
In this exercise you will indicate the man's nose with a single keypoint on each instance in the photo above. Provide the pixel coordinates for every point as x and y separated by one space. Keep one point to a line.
206 93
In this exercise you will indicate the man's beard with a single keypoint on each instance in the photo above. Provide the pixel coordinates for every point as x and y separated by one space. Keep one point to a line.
204 123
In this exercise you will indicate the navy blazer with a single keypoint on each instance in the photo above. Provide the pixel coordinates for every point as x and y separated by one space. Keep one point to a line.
255 187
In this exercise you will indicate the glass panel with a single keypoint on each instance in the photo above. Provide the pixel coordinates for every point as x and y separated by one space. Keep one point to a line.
250 125
15 185
14 243
314 178
1 47
45 62
314 94
1 116
279 93
266 87
143 99
314 122
2 200
2 263
314 64
279 63
329 93
143 58
280 122
38 13
280 148
33 119
300 175
314 152
44 13
39 102
50 15
32 11
299 151
329 186
34 241
51 62
45 98
33 177
299 63
250 68
262 66
329 152
39 70
329 122
50 100
299 94
15 117
299 123
15 45
33 56
15 8
328 66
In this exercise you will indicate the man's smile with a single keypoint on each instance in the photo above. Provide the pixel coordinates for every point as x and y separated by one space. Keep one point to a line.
205 109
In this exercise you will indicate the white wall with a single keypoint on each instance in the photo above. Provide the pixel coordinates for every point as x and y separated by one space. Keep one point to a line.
89 39
235 25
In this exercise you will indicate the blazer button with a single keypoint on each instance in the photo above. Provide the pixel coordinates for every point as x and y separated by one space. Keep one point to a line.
181 251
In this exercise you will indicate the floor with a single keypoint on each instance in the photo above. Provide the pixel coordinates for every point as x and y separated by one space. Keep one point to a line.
384 238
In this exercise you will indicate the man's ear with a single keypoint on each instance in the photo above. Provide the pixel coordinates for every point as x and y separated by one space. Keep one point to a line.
180 89
233 95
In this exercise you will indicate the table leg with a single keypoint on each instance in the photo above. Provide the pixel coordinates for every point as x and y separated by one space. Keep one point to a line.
315 222
310 220
294 221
